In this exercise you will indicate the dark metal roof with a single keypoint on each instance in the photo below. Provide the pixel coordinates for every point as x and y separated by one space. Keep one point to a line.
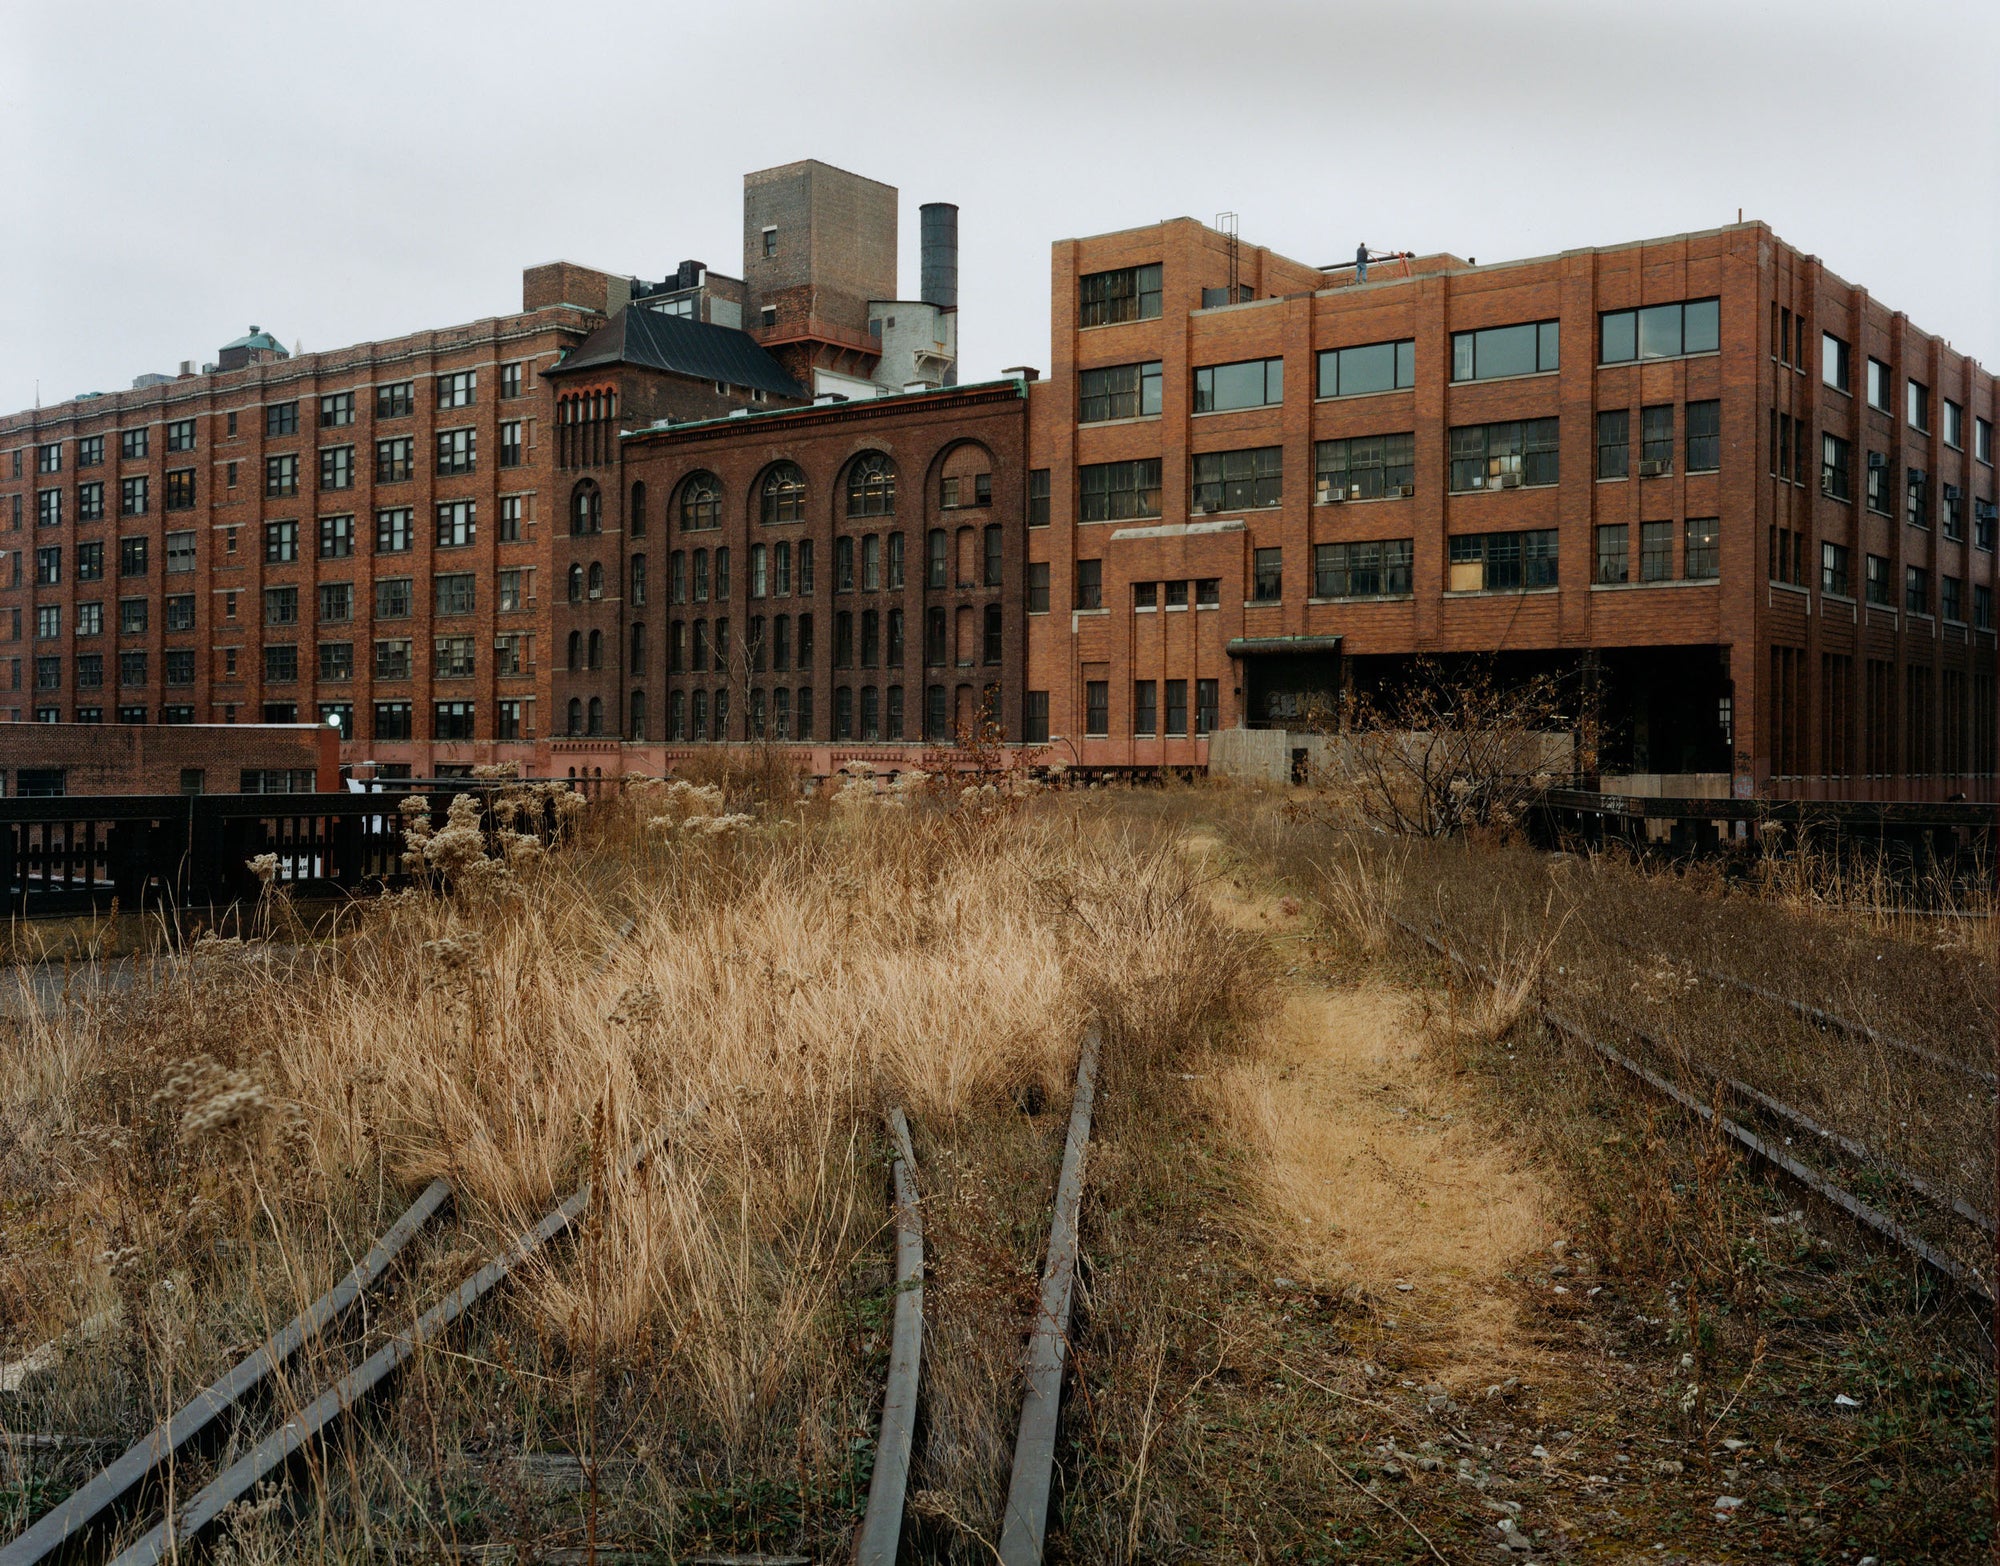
681 347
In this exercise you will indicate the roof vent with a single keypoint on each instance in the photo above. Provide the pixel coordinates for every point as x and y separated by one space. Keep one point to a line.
1022 372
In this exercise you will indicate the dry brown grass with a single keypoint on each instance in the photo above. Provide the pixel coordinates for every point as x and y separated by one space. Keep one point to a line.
206 1152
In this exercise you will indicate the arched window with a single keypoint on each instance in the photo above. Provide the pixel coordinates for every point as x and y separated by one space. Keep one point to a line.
638 719
636 521
575 650
677 715
639 647
597 715
783 494
871 486
596 579
596 649
701 502
636 589
586 510
575 718
575 583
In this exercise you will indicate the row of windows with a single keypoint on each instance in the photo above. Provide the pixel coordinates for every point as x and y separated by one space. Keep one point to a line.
1146 700
1836 371
869 487
1836 577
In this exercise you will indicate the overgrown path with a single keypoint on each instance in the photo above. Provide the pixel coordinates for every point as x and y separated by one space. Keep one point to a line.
1383 1339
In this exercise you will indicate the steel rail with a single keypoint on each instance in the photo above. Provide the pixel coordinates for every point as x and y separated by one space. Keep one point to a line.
312 1424
1024 1525
882 1525
64 1531
1861 1212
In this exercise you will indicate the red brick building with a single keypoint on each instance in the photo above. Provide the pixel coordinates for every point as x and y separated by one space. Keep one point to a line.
1751 504
195 758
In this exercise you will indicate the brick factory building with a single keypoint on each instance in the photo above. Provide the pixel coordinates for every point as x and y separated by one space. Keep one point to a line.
1743 503
1749 504
61 759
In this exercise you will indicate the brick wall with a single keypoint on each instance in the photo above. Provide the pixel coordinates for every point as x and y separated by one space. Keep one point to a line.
118 758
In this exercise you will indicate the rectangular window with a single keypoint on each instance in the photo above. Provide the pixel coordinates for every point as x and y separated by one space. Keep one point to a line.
1177 713
336 601
48 566
281 418
1238 480
1038 587
395 598
1660 331
510 382
1951 598
1502 562
1916 590
48 508
336 411
90 451
1090 584
395 531
1835 573
1145 708
392 720
451 657
1656 440
1035 718
1364 467
396 401
1836 464
1121 391
392 659
281 476
179 666
1881 386
1096 707
1250 383
90 618
132 557
1878 483
90 502
1878 580
336 467
48 459
336 660
1919 401
1369 368
1267 575
1503 456
281 665
180 435
995 555
1613 564
457 451
1614 443
132 497
1129 294
281 542
1119 491
1834 369
1954 425
1704 436
180 551
510 519
395 460
1372 569
510 444
131 670
48 622
180 490
456 390
1952 515
1917 497
90 561
134 445
1703 549
454 593
1982 607
1656 551
1982 439
1038 497
281 606
457 524
1500 351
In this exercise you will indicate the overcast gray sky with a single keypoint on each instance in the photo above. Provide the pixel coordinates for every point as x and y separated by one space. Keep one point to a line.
340 174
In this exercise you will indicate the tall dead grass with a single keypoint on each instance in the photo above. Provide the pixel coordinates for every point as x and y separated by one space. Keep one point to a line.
753 990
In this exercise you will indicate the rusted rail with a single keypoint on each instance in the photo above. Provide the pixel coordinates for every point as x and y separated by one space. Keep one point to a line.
1024 1526
882 1525
1861 1212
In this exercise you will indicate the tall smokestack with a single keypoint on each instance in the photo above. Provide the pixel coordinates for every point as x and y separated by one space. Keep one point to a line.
939 221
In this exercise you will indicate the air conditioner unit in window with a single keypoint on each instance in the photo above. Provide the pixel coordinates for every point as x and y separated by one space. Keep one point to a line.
1654 467
1878 459
1951 492
1825 482
1508 481
1405 491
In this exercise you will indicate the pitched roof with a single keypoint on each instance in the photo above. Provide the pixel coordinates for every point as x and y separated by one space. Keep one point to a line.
258 338
700 349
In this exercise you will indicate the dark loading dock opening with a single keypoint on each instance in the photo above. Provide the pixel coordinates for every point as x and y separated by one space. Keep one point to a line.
1288 680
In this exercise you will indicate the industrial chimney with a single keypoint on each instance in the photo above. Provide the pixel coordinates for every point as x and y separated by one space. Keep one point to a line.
939 226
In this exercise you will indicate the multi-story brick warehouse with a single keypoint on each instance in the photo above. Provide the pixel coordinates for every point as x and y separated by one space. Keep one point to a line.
1753 503
376 535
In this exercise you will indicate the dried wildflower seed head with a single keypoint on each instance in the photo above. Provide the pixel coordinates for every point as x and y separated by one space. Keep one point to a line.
264 867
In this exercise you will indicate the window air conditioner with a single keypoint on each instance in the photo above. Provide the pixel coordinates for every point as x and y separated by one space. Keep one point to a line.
1878 459
1825 482
1654 467
1334 497
1405 491
1508 481
1951 492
